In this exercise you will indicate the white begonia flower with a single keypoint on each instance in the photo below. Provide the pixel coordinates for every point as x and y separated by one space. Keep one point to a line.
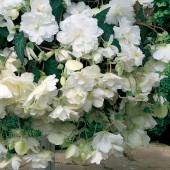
37 27
136 137
162 53
15 162
60 132
80 32
39 160
94 98
64 113
104 141
127 33
78 8
96 56
119 9
42 95
154 66
110 81
149 80
6 6
132 53
75 97
83 80
109 52
42 6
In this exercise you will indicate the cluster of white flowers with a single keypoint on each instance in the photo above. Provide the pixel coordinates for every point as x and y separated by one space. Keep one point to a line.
107 84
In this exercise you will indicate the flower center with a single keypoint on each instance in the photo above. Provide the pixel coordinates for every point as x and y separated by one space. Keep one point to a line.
137 54
40 8
77 33
36 26
90 96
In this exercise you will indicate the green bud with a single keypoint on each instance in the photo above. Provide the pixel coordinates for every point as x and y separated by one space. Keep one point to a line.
63 81
49 54
14 14
41 56
60 67
21 147
160 110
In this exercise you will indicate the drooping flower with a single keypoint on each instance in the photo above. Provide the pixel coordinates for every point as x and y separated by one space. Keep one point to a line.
136 137
15 162
104 141
130 56
94 98
118 10
80 32
40 159
162 53
63 113
42 95
60 132
127 33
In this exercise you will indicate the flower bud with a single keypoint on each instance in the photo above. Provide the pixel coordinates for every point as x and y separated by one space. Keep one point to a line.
21 147
14 14
73 65
63 81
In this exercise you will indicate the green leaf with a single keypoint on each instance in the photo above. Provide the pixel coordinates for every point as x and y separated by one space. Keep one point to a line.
57 9
4 32
34 69
3 42
107 28
101 16
50 67
20 45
